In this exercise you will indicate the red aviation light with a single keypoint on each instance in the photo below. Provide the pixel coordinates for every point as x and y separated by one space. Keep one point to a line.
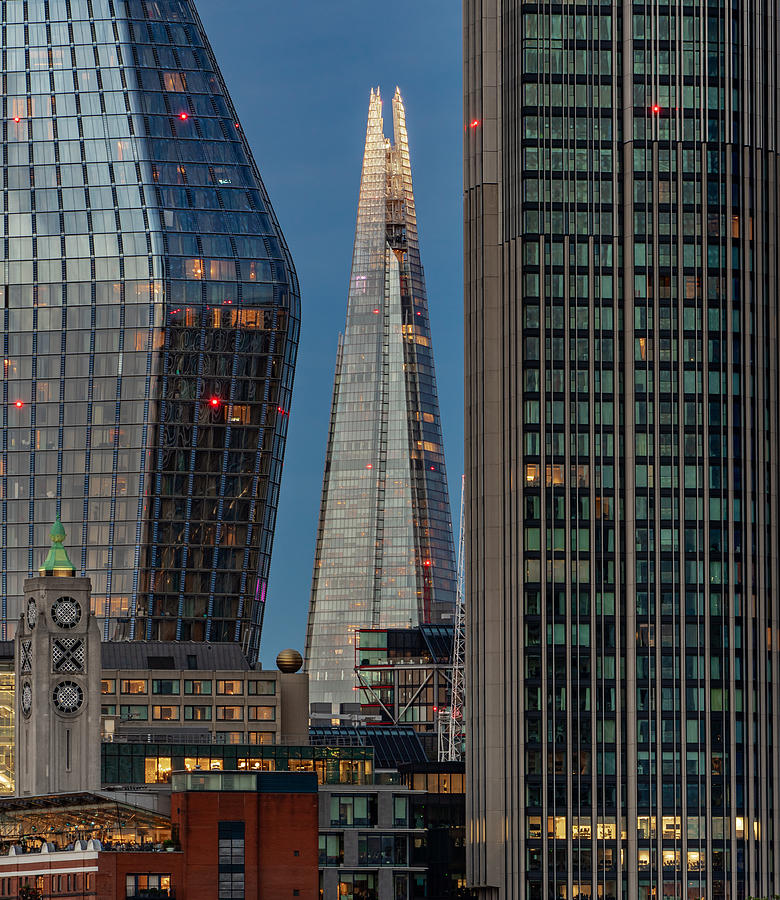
369 466
214 402
17 119
183 116
656 109
19 404
475 123
427 562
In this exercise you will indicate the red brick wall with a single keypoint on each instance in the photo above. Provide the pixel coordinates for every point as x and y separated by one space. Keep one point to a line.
276 826
113 867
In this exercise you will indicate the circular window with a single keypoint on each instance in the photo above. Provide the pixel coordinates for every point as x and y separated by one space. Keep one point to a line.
68 697
32 613
26 698
66 612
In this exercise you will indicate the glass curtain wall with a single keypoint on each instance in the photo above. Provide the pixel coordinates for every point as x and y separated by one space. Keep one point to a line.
150 321
384 554
626 243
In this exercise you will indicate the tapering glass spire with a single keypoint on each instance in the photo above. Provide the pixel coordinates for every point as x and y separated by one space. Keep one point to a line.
384 552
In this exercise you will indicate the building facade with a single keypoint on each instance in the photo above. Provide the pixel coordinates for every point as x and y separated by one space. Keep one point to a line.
622 463
150 325
190 692
228 835
384 554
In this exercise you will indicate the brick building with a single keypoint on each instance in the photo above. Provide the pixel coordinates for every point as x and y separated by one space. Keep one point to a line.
228 835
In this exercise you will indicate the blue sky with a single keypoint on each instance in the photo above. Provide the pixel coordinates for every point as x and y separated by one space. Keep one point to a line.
299 72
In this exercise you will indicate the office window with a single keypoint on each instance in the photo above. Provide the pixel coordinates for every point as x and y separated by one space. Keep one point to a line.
169 686
165 713
197 713
230 686
134 686
197 686
108 685
265 688
230 713
262 713
133 713
261 737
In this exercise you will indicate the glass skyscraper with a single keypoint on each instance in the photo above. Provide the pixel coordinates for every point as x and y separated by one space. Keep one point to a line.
150 321
384 555
622 458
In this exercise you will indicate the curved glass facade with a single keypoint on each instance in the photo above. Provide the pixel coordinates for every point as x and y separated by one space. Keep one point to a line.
622 340
150 321
384 554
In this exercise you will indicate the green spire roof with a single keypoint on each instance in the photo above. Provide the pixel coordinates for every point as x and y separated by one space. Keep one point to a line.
57 562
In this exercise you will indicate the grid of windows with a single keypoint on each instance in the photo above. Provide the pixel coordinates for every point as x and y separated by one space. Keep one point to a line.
150 324
384 553
634 606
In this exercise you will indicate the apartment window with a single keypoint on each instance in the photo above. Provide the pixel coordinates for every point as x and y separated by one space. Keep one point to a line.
133 713
331 849
357 885
382 850
197 713
169 686
230 686
261 688
134 686
108 685
197 686
261 737
165 713
230 713
148 886
262 713
400 811
353 810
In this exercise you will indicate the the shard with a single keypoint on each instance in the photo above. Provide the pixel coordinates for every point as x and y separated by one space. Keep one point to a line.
384 555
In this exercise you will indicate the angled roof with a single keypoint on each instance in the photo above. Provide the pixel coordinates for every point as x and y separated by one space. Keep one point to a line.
188 655
392 744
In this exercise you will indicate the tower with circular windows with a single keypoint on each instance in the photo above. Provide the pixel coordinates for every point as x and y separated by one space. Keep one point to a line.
58 676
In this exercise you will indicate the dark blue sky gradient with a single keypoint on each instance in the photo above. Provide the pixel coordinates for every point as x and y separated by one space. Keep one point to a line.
299 72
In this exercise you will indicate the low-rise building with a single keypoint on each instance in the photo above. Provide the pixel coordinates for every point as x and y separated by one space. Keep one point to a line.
227 834
194 692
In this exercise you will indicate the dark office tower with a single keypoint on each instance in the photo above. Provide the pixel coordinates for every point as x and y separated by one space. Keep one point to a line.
384 553
623 461
149 325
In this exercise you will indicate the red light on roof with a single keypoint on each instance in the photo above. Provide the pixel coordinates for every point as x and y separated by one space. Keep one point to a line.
214 401
17 119
656 109
433 468
427 562
475 123
19 404
183 116
237 125
281 411
369 466
376 311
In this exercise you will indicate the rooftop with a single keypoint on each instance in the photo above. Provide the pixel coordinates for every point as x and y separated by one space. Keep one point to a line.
186 655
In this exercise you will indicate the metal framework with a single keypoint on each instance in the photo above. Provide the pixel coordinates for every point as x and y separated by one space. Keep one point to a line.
451 718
